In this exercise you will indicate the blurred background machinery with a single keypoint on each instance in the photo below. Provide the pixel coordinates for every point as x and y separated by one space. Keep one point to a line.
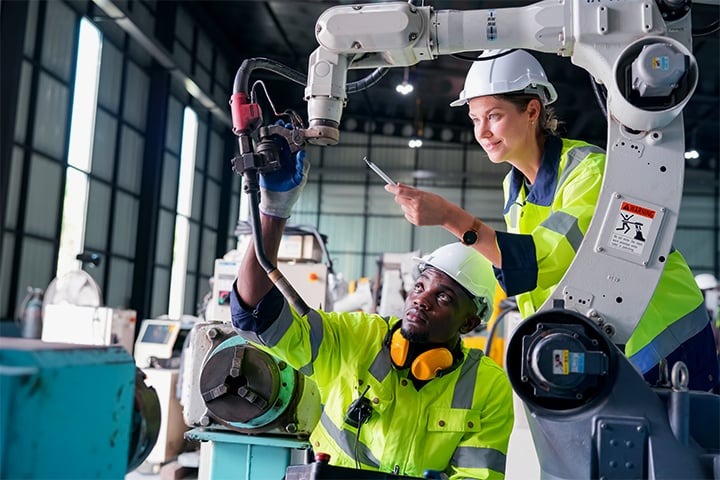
92 414
158 351
73 312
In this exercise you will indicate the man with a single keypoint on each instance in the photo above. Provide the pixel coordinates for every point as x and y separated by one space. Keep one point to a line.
398 395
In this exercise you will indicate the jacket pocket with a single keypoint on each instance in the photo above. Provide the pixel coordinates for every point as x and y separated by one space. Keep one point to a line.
453 420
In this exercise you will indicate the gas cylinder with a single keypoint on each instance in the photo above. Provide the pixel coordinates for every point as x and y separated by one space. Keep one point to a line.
30 318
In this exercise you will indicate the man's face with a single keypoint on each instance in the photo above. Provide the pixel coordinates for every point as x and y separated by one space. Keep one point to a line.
437 309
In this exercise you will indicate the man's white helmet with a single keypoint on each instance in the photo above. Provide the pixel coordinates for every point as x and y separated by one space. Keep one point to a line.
517 71
706 281
467 267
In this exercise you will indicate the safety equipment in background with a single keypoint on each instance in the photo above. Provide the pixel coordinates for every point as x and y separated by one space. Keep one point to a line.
425 366
517 71
706 281
280 190
470 269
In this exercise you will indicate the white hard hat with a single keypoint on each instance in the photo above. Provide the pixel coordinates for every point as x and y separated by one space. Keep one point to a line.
467 267
706 281
517 71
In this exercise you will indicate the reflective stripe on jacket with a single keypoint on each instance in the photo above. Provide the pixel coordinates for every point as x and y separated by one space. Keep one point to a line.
555 214
459 423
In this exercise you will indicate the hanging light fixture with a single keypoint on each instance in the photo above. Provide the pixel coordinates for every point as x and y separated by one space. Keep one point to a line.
405 87
416 140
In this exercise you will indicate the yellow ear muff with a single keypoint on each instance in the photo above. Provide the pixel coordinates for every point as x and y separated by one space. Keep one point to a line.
399 347
427 365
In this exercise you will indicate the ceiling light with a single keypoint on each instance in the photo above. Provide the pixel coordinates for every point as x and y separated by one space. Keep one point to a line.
415 143
405 87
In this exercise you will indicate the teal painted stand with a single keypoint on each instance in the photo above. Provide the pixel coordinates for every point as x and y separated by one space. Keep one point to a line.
244 457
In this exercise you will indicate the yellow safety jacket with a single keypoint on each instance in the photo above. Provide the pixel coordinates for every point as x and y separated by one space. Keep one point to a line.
552 217
458 423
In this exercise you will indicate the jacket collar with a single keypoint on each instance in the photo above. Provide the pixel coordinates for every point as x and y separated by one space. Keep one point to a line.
543 190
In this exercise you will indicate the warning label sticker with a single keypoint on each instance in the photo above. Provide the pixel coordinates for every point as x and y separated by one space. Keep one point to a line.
566 362
560 362
631 225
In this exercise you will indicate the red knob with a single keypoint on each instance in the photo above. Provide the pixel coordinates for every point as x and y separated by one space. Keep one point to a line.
322 457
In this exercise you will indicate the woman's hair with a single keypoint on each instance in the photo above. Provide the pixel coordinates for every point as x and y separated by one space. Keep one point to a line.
548 122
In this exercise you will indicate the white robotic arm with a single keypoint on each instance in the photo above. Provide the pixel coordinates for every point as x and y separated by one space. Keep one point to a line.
600 37
640 51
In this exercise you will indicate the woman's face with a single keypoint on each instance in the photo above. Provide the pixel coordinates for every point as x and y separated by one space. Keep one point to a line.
502 130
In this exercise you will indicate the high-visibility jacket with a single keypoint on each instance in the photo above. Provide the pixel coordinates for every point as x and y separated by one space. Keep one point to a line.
458 423
552 217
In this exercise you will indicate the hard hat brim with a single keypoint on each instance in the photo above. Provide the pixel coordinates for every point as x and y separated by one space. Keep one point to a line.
459 102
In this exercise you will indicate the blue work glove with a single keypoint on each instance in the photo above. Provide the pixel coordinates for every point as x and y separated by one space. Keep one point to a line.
280 190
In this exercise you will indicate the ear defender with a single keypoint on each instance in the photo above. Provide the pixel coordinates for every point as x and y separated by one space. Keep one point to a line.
427 365
399 347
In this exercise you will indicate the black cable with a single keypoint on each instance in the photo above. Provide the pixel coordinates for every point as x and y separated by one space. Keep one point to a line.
355 450
491 334
706 29
476 58
599 96
243 75
366 82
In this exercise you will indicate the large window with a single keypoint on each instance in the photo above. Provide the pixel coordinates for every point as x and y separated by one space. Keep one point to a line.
182 218
82 131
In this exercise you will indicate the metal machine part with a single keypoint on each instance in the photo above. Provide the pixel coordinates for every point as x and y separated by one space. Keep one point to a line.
559 361
94 392
240 388
146 421
593 415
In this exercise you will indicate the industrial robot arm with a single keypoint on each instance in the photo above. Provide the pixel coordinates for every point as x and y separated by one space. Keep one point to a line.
598 36
638 49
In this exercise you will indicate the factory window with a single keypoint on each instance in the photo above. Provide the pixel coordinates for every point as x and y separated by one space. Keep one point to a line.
182 218
82 130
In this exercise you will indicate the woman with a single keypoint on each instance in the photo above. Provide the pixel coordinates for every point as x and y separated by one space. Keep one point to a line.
551 193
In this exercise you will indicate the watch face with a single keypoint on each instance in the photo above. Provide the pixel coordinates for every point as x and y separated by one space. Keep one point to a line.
469 237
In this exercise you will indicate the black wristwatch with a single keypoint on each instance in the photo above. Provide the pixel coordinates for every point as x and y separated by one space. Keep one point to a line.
471 236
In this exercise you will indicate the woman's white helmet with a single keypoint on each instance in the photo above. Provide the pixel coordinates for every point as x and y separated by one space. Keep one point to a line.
470 269
517 71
